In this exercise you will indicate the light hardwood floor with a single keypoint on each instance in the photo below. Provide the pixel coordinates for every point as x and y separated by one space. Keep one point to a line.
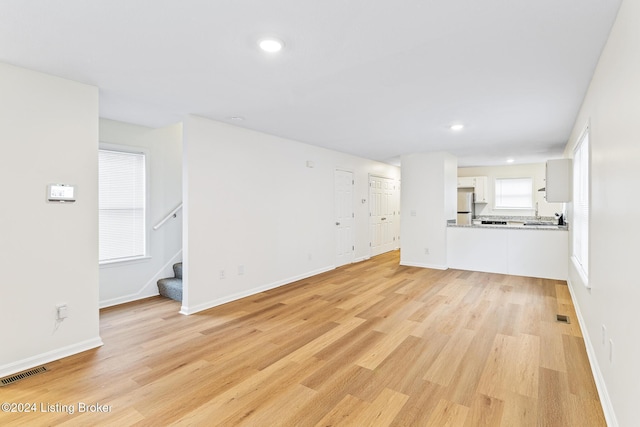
370 344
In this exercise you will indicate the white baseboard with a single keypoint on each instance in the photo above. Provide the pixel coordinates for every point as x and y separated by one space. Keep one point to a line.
363 258
420 265
149 289
205 306
127 298
41 359
601 386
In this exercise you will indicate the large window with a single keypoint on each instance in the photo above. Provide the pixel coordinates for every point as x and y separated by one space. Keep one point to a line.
580 224
514 193
122 198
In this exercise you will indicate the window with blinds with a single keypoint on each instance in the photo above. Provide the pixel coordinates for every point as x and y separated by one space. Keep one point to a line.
514 193
122 197
580 224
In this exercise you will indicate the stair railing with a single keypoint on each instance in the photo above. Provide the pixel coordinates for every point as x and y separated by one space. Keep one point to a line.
170 215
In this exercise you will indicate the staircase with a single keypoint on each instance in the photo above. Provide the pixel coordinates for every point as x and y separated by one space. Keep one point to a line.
171 287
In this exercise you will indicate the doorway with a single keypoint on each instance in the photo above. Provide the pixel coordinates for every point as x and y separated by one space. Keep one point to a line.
344 217
383 214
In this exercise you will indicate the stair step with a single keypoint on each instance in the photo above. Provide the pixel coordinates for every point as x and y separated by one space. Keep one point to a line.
171 288
177 270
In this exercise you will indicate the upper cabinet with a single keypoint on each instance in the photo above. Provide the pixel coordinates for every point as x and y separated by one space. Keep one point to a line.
466 181
479 185
481 189
558 181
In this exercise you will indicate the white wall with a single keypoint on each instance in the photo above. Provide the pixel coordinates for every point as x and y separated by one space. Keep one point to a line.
49 251
535 171
128 281
612 105
428 200
251 201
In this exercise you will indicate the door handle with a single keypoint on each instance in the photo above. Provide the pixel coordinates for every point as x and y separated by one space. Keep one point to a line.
382 219
337 223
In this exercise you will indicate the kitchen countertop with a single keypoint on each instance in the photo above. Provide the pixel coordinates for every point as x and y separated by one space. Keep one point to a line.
518 225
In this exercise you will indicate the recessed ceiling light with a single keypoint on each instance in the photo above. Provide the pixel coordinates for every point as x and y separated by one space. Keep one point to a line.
456 127
271 44
510 160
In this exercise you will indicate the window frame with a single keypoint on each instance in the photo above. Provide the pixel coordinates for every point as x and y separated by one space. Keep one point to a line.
577 225
520 208
104 146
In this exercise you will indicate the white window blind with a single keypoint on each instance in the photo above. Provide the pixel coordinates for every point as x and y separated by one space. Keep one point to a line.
122 197
580 224
514 193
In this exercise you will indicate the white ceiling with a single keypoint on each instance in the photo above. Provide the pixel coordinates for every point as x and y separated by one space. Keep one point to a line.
375 78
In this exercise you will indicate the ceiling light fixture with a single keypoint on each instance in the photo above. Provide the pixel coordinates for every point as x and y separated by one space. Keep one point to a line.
236 118
271 44
456 127
510 160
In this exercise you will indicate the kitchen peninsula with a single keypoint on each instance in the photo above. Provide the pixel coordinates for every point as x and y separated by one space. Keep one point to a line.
512 248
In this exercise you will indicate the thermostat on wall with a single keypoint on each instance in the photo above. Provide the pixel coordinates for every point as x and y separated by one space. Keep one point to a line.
61 193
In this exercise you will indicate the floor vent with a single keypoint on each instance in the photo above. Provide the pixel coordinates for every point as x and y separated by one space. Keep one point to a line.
22 375
562 318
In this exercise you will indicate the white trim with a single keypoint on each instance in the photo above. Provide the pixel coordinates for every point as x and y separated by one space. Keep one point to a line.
148 290
362 258
49 356
120 262
578 268
207 305
420 265
601 386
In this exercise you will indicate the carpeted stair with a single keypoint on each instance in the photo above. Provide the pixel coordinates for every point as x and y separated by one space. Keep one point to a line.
171 287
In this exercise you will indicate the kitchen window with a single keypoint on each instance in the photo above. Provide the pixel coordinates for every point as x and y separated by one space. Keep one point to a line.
580 226
514 193
122 205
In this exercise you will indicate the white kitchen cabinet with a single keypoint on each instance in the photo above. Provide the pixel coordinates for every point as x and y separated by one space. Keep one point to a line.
534 253
466 181
481 189
558 180
479 185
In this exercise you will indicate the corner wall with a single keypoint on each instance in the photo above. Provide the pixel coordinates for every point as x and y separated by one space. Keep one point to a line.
128 281
428 201
253 205
611 107
49 251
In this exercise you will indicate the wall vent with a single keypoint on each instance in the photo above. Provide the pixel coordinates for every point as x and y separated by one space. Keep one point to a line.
22 375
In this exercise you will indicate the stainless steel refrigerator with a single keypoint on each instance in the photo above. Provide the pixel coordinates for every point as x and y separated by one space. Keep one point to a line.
466 206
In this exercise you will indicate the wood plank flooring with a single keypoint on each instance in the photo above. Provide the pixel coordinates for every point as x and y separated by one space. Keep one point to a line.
370 344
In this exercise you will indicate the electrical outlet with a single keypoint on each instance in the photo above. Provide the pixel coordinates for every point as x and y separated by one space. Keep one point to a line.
240 270
222 275
426 251
604 335
310 257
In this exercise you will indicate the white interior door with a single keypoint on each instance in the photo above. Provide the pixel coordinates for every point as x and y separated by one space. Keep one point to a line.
383 211
344 217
